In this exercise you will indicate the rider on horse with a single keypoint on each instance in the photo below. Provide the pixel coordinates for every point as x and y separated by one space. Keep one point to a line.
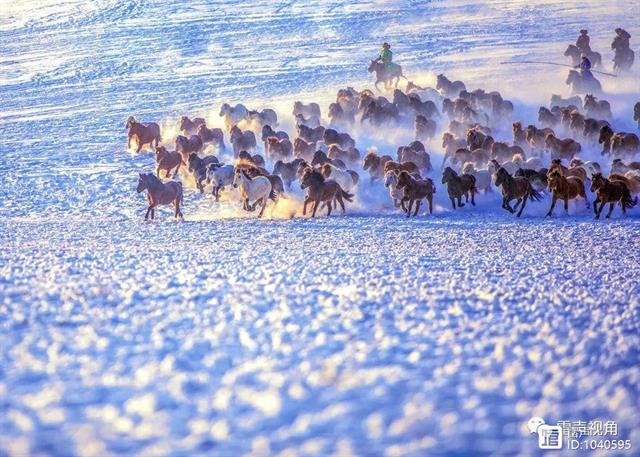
386 56
624 37
582 42
585 68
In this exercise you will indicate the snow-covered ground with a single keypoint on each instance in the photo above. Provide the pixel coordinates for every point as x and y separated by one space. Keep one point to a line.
367 334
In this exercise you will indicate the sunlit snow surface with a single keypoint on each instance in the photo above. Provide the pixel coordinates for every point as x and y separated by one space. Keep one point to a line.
366 334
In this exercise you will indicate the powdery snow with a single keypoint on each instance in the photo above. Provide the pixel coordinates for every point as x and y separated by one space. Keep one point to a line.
367 334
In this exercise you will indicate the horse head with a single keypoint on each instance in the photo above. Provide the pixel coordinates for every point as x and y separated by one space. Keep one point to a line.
373 66
130 122
142 182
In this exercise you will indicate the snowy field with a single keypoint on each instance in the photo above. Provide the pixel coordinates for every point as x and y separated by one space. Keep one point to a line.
364 334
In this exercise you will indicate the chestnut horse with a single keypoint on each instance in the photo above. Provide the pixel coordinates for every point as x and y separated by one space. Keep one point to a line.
414 191
159 193
320 190
567 188
143 133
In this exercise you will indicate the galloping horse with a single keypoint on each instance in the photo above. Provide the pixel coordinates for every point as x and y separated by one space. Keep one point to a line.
575 53
581 85
386 75
624 57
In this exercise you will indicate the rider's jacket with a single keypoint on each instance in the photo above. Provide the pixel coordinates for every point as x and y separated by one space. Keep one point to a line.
386 56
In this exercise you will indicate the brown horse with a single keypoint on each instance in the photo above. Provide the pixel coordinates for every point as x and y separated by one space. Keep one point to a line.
566 188
279 149
457 186
562 149
167 160
350 155
374 164
143 133
515 188
303 149
577 171
409 167
159 193
610 192
414 191
185 146
320 190
214 136
190 127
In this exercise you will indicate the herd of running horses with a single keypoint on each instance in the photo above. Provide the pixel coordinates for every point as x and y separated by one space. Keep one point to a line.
263 163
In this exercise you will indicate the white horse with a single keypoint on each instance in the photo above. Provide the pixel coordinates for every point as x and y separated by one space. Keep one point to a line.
233 115
220 176
391 183
253 191
590 167
532 163
265 117
346 178
483 176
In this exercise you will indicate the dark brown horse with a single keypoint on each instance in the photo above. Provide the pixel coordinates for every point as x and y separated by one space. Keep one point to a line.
185 146
414 190
320 190
610 192
167 160
457 186
159 193
515 188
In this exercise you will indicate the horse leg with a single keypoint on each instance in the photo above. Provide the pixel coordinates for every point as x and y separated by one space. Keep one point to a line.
507 205
453 202
515 208
553 204
304 206
460 204
146 216
175 174
264 201
473 197
430 200
341 204
404 208
329 208
595 206
417 208
524 203
410 207
566 204
611 206
315 207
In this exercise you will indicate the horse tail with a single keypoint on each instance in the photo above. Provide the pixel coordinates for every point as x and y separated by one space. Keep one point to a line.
626 198
346 195
534 195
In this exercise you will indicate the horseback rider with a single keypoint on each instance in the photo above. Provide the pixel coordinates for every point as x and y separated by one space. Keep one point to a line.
582 42
624 38
386 56
585 67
